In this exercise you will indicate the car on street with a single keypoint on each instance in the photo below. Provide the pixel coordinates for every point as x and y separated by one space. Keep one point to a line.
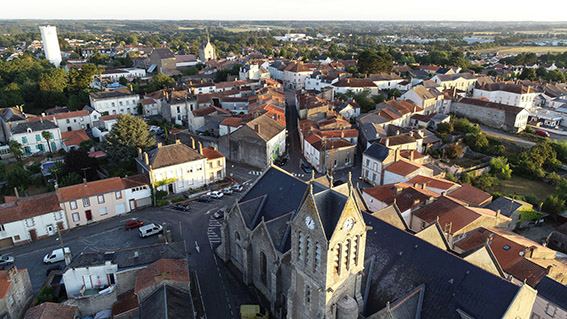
281 161
237 187
6 260
219 214
306 168
227 191
134 223
56 255
150 230
204 199
216 194
184 207
542 133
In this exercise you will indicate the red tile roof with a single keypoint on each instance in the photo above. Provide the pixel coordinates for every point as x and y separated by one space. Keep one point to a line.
60 116
162 270
434 182
471 195
110 117
405 195
51 310
4 283
112 184
27 207
403 167
232 121
71 138
211 153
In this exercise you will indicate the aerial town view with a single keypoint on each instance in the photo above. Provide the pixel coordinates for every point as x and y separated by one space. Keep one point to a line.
283 160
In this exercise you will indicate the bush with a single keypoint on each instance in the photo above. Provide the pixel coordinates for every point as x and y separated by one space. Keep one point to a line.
454 150
160 194
529 214
445 127
529 130
501 168
477 142
463 125
553 205
484 182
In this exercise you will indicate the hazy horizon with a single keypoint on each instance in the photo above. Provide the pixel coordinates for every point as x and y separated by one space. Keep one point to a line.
267 10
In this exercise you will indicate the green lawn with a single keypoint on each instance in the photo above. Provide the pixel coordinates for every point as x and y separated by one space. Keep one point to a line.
523 186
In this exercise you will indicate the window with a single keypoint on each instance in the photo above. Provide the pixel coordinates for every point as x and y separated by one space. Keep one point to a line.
338 257
17 237
199 167
355 250
307 294
68 121
300 246
37 138
58 215
210 164
103 211
308 249
218 163
237 236
24 140
118 195
550 310
317 256
190 170
101 199
263 268
2 228
73 204
75 217
347 254
11 300
86 202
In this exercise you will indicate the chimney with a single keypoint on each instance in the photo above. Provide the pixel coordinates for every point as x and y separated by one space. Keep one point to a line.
497 214
84 182
414 108
411 133
146 159
387 142
177 141
257 128
131 89
159 144
397 155
200 148
399 189
397 132
140 154
16 192
11 273
411 155
214 147
192 142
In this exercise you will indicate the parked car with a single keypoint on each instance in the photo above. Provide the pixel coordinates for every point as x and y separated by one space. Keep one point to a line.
252 312
542 133
227 191
216 195
56 255
6 260
134 223
184 207
219 214
150 230
306 168
237 187
204 199
281 161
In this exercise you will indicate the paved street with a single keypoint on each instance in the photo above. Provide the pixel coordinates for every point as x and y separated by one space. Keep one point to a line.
500 134
221 288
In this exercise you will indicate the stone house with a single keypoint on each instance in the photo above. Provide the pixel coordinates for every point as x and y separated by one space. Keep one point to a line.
374 160
429 99
25 219
51 310
90 202
9 118
460 81
507 93
502 116
163 59
207 51
68 121
30 136
328 154
471 195
15 292
437 185
256 143
403 170
117 101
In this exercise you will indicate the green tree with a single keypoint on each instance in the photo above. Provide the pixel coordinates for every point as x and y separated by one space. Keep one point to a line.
123 81
371 61
484 182
47 136
17 177
553 204
11 95
79 161
16 149
454 150
446 127
477 141
87 145
501 168
163 81
556 76
70 179
528 74
127 134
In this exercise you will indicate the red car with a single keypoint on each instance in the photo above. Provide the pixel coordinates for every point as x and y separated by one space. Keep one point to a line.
542 133
134 223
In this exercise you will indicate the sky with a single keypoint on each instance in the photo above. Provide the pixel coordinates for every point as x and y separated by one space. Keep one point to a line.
478 10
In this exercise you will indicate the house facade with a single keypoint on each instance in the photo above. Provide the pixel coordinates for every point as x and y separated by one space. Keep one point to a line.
16 292
118 101
68 121
30 136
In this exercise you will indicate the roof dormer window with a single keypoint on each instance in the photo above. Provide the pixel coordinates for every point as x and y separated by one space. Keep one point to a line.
29 130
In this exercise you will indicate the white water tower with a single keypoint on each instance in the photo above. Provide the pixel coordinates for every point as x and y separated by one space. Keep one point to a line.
51 44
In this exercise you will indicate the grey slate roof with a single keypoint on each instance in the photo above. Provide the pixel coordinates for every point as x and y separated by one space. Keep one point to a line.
38 126
125 258
407 307
167 302
12 114
330 205
504 204
164 53
377 151
552 291
403 262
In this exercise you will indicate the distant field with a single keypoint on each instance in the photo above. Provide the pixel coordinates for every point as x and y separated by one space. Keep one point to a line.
523 186
524 49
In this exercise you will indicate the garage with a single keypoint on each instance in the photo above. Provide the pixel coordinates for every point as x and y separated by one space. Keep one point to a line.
120 208
6 242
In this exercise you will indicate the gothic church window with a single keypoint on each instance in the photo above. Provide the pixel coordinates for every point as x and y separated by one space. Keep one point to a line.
301 246
263 268
317 256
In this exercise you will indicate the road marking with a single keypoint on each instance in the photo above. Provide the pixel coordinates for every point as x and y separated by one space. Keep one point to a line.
197 247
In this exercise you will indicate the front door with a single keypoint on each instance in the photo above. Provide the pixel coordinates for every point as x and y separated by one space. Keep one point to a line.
50 230
170 188
132 204
88 215
33 234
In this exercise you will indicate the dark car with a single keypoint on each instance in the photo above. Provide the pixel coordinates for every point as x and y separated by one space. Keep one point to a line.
219 214
134 223
184 207
306 168
205 199
281 161
542 133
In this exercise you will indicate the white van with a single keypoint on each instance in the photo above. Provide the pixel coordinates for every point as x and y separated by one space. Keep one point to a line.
56 255
149 230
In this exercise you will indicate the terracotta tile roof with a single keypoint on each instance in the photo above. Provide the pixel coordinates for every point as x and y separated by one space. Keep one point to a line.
97 154
451 211
51 310
398 140
147 101
403 167
60 116
384 77
126 303
204 111
232 121
162 270
173 154
340 133
4 283
211 153
71 138
433 182
405 195
317 143
471 195
27 207
352 82
407 154
268 127
110 117
297 67
112 184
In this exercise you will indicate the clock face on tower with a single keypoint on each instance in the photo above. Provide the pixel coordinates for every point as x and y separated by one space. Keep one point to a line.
347 225
309 222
